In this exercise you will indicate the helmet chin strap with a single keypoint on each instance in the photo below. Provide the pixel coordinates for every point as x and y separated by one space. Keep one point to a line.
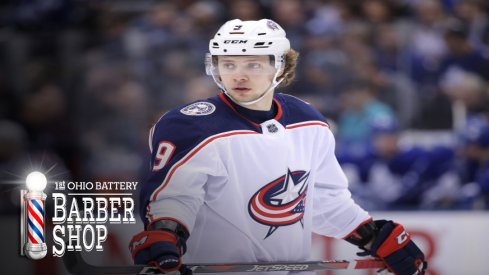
274 84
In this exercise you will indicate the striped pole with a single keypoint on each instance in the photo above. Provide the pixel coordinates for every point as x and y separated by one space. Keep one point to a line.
35 221
35 247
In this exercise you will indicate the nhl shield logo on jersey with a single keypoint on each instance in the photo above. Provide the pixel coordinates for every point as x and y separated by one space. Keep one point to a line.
199 109
272 128
280 202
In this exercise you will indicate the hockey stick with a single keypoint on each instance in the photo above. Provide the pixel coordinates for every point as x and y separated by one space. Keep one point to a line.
75 264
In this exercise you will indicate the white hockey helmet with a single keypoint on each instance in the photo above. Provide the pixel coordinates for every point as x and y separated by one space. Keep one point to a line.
262 37
236 37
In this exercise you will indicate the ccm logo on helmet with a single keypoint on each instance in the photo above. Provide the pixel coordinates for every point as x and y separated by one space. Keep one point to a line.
402 237
235 41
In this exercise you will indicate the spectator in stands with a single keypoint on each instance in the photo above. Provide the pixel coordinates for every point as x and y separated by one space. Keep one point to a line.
290 14
378 11
362 111
321 81
467 91
425 45
112 132
474 14
461 54
245 10
398 177
474 164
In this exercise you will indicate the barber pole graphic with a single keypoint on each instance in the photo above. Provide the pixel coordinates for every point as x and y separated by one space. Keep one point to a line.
35 221
33 244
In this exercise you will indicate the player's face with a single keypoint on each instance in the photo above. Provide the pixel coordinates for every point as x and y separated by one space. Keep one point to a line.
246 78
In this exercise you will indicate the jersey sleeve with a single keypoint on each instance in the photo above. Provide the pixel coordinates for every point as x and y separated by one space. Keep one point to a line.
182 160
335 214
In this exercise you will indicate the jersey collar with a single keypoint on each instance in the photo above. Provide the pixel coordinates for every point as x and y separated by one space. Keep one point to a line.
232 106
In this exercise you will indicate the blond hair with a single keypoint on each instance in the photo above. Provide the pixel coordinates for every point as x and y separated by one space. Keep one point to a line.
288 75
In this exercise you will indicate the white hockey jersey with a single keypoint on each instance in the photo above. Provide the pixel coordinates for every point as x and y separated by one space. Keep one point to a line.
248 192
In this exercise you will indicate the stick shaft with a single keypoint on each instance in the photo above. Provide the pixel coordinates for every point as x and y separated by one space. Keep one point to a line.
75 263
287 266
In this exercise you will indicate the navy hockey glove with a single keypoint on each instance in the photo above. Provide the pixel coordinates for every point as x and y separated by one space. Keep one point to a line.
161 248
392 244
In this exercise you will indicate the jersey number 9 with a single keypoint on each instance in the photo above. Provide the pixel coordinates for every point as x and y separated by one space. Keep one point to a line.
163 155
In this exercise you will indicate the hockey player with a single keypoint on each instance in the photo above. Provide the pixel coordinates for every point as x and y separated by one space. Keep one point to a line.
248 175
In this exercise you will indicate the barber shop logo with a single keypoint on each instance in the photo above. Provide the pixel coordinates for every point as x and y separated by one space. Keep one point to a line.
199 109
280 202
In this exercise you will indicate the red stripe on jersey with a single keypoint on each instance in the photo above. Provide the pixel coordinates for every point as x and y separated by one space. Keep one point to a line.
225 100
303 124
279 110
287 222
192 153
280 215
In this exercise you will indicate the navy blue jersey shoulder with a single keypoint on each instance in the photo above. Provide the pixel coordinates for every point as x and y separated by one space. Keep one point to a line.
296 110
196 121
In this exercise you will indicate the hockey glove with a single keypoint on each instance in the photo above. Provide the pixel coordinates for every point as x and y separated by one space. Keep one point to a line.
394 246
160 248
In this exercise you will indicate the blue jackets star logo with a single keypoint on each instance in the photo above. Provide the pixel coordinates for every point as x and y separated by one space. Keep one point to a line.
280 202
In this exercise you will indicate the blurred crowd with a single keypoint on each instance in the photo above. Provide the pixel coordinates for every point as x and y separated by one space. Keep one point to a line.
402 82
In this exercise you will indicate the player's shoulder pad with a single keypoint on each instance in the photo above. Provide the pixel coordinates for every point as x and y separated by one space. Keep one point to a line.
298 110
194 122
185 123
190 112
